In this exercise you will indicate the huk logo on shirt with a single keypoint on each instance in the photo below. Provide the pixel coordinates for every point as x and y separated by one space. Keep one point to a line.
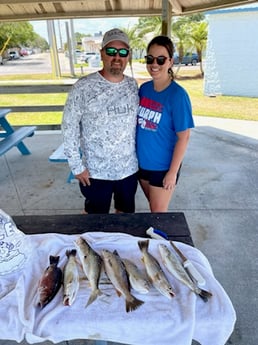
149 114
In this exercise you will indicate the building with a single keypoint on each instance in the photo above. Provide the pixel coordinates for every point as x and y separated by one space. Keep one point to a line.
231 66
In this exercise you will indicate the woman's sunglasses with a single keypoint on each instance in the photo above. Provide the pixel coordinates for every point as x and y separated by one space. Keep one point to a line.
123 52
149 59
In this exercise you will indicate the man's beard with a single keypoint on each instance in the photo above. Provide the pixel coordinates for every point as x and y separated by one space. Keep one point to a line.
115 70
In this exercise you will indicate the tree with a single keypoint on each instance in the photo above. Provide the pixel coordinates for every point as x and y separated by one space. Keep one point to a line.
148 25
199 34
137 41
17 34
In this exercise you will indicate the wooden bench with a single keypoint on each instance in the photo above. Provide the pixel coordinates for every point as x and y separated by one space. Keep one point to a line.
58 156
13 137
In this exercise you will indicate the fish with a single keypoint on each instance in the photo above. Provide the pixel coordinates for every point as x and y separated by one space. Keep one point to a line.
117 274
155 272
136 278
92 266
50 282
70 278
175 267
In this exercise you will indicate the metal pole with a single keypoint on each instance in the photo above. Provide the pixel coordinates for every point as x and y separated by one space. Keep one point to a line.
74 43
69 47
53 49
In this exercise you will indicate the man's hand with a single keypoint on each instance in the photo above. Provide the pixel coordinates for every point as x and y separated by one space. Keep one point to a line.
84 178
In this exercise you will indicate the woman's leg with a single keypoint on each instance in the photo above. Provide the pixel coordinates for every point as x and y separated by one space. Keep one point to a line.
145 187
159 198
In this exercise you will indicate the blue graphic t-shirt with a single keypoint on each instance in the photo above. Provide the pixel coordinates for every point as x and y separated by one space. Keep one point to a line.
160 116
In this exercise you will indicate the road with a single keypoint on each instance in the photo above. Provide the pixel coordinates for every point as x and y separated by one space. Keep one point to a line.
41 63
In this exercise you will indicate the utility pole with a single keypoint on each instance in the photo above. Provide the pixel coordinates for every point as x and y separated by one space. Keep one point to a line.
53 49
69 47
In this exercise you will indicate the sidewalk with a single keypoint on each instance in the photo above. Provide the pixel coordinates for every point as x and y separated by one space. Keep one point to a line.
217 191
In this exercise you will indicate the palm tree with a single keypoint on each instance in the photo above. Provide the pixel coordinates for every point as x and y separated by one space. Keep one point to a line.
148 25
199 34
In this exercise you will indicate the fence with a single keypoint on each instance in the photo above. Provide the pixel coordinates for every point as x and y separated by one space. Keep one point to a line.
35 89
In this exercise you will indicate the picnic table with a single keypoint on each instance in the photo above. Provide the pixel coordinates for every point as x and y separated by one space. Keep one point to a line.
174 224
158 321
11 137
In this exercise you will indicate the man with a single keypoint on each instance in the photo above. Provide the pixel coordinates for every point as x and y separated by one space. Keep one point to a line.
98 128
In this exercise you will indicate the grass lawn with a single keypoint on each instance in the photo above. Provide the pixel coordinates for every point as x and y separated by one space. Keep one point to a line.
242 108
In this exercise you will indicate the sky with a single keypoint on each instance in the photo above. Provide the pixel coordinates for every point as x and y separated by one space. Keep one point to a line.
87 26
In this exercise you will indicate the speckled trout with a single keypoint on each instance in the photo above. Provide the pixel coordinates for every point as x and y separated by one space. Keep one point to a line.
117 274
71 278
155 272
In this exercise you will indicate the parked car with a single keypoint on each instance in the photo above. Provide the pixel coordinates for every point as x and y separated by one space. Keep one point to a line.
78 53
13 55
188 59
86 56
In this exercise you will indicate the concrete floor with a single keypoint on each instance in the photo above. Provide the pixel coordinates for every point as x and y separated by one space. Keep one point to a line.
217 191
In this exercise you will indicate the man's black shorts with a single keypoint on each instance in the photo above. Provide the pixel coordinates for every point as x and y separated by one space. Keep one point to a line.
98 195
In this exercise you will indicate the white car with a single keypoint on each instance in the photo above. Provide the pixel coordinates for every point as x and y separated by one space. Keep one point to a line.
86 56
13 55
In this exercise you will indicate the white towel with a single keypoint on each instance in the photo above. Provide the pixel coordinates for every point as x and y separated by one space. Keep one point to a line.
158 321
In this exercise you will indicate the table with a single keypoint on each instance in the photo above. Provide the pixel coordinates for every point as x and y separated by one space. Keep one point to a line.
186 316
12 137
173 223
58 156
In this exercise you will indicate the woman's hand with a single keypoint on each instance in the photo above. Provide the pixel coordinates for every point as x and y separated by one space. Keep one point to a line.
169 181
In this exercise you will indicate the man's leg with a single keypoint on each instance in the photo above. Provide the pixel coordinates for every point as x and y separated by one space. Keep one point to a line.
98 196
124 194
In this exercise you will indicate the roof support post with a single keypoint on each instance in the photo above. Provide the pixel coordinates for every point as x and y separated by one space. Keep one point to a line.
166 18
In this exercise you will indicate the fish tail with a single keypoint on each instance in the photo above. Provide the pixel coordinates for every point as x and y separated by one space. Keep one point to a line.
143 245
70 252
53 259
93 296
205 295
132 304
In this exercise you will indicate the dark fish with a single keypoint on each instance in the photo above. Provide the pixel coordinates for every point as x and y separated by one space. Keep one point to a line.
50 282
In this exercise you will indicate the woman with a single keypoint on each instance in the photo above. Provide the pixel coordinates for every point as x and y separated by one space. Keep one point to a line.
163 126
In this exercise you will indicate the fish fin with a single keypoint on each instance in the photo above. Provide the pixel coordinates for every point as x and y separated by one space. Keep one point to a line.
143 245
205 295
66 301
133 304
118 293
93 296
53 259
172 294
70 252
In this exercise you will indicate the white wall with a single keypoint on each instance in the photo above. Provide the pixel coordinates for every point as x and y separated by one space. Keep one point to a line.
232 54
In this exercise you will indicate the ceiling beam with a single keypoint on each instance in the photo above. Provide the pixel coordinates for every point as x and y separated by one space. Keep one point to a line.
79 15
213 5
175 6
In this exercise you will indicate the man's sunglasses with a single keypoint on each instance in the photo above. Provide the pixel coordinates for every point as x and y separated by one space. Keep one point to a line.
149 59
123 52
